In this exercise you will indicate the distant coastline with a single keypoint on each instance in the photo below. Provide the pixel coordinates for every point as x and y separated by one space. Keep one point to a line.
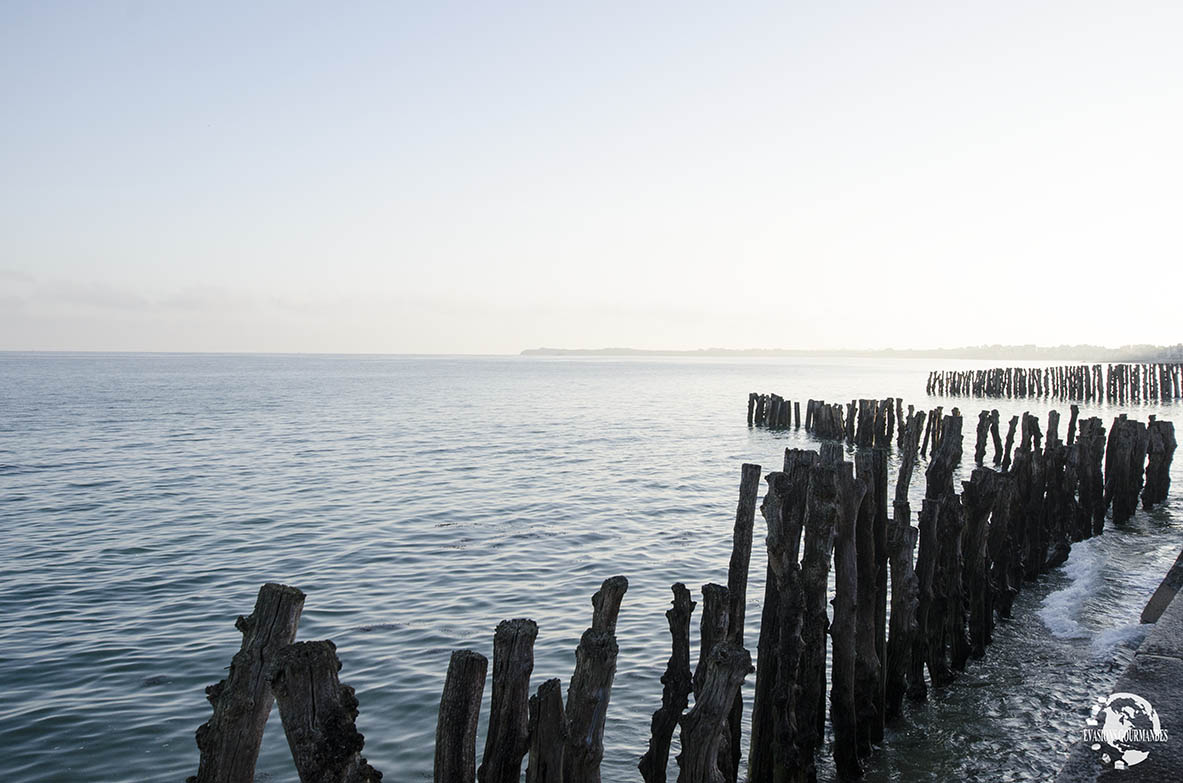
1082 353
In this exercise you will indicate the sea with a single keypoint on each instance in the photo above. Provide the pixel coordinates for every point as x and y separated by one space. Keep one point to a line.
418 501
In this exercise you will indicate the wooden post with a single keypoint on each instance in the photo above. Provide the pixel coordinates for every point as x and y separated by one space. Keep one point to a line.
851 495
1090 445
677 683
712 628
606 603
591 686
1162 444
775 753
901 542
1121 486
933 578
460 709
878 486
979 494
982 433
548 734
1072 423
821 515
751 407
867 663
1010 441
737 593
508 737
318 715
704 728
995 436
229 740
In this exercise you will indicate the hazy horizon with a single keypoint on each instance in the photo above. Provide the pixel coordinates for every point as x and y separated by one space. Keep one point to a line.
472 179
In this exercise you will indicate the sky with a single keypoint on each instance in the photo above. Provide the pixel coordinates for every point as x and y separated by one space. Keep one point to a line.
444 177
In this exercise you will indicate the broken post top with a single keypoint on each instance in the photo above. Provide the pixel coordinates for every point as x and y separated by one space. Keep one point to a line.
606 603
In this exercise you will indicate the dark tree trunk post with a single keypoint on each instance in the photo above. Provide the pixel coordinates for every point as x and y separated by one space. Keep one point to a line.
952 530
737 593
1072 423
751 408
318 715
591 686
712 628
508 737
882 520
606 603
1091 449
996 437
978 495
982 433
1010 441
821 515
901 542
587 705
548 734
704 728
866 657
677 683
1161 452
775 754
851 495
229 741
929 561
460 709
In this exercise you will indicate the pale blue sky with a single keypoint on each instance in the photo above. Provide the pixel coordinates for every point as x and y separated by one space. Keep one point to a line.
486 177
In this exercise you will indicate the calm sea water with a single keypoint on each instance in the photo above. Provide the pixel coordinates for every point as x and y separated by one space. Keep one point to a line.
418 501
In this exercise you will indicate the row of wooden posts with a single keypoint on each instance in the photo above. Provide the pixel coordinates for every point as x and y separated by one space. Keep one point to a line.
1115 383
862 422
976 549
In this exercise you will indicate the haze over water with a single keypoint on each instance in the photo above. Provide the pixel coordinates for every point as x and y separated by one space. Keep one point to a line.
418 501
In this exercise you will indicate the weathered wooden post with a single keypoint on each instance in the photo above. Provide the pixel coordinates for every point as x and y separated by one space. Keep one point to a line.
751 407
1004 543
1090 445
591 686
677 683
775 753
982 433
704 728
1123 467
229 740
867 664
996 437
938 516
737 594
879 489
1010 441
508 738
548 734
821 516
978 496
1161 451
712 628
460 709
850 495
318 715
901 541
1060 509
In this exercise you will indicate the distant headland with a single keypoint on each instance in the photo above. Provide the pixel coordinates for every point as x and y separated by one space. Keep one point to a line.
1084 353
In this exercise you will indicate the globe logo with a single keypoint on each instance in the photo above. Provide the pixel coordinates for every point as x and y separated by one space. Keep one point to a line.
1122 728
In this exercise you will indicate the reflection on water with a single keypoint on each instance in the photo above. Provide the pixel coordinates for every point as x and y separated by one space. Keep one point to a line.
418 502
